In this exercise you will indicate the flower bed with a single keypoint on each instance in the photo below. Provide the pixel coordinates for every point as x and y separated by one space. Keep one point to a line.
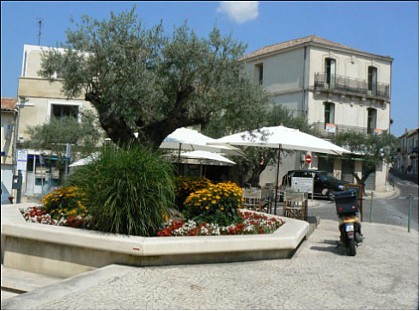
210 209
250 223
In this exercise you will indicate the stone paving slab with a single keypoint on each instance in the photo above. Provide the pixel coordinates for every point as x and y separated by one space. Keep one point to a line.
383 275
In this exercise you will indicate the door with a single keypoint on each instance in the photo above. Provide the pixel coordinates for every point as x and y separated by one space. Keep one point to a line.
347 170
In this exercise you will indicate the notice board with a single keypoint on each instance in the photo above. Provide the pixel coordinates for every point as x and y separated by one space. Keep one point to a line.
302 184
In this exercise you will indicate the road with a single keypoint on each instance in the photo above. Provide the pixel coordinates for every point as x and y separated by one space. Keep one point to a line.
391 211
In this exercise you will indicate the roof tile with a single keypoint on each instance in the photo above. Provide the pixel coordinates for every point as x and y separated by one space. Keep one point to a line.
291 43
8 103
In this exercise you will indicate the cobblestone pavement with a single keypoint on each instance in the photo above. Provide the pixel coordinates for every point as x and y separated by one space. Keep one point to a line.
383 275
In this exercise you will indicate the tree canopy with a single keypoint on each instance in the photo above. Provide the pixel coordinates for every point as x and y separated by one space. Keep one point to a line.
52 137
373 149
142 81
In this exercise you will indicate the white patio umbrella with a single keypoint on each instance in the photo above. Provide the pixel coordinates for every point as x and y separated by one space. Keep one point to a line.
85 161
206 155
188 140
281 137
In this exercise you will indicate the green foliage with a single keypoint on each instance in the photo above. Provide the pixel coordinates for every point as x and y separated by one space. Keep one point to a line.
215 204
185 185
67 204
51 137
129 190
373 148
180 80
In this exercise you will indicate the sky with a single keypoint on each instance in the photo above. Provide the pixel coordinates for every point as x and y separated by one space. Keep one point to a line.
386 28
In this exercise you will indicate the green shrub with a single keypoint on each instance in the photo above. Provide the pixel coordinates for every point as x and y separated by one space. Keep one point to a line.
218 204
129 191
185 185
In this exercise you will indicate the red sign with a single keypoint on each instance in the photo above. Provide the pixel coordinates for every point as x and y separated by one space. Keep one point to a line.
308 158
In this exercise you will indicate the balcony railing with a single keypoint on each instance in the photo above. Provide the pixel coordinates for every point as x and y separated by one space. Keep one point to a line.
351 86
329 130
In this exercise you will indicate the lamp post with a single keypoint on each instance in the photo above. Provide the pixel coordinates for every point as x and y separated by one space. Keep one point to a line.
17 183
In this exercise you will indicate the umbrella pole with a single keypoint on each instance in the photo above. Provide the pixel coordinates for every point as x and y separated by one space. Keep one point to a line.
277 181
179 159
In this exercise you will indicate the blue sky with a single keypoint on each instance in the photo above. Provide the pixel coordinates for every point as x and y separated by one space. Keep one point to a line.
381 27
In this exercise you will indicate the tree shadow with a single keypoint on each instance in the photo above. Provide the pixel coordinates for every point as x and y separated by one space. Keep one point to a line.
332 246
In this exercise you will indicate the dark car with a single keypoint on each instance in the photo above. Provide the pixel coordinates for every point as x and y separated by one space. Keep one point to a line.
325 183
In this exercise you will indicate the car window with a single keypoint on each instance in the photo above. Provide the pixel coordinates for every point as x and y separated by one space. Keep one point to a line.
307 174
298 174
327 175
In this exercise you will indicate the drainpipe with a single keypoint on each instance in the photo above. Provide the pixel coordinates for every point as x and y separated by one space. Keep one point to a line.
304 101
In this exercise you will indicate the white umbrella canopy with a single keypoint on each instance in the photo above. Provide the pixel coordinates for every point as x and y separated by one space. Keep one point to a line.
187 140
86 160
283 137
206 155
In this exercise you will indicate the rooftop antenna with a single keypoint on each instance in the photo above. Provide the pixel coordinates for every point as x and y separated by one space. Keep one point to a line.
39 29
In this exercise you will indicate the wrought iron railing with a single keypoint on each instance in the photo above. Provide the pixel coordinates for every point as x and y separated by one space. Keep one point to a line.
329 130
324 82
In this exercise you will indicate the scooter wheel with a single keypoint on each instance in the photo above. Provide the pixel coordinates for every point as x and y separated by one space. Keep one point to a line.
352 248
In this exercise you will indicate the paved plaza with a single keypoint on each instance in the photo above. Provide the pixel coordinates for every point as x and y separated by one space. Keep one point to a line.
383 275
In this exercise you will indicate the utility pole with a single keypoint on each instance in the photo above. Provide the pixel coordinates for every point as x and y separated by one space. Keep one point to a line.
39 30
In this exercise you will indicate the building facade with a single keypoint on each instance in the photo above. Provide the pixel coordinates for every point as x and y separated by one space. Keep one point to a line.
335 87
39 100
407 153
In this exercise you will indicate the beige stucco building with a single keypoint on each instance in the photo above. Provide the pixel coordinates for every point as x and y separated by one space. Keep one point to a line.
407 154
335 87
39 100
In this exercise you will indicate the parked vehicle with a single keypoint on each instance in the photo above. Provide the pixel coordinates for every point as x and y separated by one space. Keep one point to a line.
325 183
349 224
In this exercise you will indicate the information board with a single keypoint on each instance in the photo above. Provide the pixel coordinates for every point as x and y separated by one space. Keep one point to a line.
22 160
302 184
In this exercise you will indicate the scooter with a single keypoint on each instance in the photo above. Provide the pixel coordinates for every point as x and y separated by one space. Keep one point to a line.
349 224
350 233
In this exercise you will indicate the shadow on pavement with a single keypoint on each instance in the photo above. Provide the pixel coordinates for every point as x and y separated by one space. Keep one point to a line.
332 246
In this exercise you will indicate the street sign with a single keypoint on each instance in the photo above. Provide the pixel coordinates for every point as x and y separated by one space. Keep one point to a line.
308 159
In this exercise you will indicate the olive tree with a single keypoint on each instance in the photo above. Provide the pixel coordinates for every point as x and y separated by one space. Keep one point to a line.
51 138
371 148
143 81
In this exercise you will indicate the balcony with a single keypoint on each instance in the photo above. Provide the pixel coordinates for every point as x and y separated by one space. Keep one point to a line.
350 86
329 130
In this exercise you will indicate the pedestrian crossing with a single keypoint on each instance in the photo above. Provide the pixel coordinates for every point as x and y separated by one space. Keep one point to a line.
407 183
406 198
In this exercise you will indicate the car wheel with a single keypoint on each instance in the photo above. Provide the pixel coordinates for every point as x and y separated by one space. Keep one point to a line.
330 195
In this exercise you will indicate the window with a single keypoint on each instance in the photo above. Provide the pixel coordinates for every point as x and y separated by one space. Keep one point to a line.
329 114
371 121
372 79
59 111
260 73
330 71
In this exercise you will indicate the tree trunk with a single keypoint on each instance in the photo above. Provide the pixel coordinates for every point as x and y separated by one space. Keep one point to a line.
362 181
